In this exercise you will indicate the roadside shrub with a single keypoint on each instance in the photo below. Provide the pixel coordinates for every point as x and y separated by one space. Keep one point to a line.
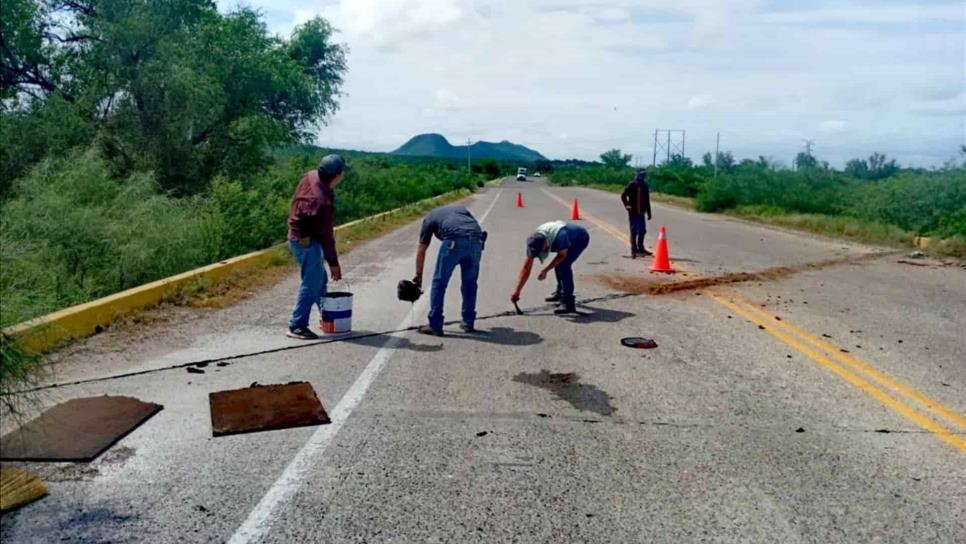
71 233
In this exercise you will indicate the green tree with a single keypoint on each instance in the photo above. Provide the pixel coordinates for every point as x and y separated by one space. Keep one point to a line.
725 160
615 159
877 167
490 167
543 165
805 161
678 162
173 87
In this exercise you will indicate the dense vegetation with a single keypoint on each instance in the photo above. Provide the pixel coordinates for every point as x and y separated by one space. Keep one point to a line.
919 202
72 231
140 139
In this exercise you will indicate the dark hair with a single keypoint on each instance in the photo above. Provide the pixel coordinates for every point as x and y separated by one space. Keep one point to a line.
325 177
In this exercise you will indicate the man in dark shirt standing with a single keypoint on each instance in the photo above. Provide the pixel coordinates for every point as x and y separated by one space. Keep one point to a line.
311 236
461 244
637 201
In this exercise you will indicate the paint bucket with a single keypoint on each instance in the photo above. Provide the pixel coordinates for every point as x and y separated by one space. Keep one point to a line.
337 312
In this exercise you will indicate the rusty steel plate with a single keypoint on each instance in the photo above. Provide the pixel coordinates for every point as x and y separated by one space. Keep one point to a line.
76 430
264 408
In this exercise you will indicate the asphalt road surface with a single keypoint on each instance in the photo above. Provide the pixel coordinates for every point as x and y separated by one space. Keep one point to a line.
815 403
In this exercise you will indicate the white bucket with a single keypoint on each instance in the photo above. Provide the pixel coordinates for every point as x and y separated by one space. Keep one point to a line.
337 312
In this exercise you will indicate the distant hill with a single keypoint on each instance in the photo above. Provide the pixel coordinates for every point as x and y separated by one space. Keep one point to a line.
435 145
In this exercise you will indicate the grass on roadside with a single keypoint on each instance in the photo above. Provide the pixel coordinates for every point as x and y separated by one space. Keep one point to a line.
673 200
835 226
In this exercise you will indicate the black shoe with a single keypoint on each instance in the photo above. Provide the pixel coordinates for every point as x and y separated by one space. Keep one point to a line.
301 333
426 329
646 252
566 309
553 298
467 328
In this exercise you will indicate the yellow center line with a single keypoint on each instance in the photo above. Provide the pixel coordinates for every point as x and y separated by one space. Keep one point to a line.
750 312
916 417
861 366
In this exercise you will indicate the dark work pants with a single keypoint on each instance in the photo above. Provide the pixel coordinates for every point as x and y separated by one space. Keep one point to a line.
579 240
638 230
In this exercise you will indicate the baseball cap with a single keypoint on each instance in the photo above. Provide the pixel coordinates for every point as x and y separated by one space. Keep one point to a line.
535 245
333 164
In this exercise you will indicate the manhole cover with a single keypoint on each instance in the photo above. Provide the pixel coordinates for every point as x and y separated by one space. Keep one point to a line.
638 342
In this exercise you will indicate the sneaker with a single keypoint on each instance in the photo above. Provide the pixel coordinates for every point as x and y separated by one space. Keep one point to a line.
467 328
553 298
426 329
301 333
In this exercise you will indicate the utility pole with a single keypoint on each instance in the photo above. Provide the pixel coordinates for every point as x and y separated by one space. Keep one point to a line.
717 145
808 147
654 158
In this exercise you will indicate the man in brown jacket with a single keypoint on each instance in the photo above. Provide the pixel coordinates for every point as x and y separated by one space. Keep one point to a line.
311 236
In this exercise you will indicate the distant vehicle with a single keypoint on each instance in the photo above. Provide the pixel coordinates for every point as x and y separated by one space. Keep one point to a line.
521 174
536 174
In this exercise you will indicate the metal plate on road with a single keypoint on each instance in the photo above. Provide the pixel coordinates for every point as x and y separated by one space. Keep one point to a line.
638 342
265 408
76 430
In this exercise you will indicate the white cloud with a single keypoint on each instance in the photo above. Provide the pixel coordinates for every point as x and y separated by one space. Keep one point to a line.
448 100
833 126
699 101
905 14
953 105
605 74
388 22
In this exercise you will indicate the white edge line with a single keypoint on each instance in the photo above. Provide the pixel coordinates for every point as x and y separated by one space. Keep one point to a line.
260 519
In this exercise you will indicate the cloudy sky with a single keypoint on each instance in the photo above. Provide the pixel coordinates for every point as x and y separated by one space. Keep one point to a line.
573 78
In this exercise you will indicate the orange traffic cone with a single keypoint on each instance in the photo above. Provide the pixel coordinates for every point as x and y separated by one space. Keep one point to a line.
575 211
519 200
662 263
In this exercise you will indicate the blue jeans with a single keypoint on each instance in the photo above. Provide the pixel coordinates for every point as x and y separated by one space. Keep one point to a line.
579 240
314 280
467 254
638 230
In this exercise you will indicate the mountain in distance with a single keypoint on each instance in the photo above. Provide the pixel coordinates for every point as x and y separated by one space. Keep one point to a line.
436 145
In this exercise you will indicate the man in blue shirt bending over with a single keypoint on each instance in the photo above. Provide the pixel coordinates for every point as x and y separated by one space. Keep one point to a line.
461 244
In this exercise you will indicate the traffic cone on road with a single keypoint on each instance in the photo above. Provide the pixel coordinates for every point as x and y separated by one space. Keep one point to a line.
575 211
519 200
662 262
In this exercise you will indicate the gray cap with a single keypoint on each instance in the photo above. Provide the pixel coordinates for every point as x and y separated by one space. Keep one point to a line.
536 244
333 165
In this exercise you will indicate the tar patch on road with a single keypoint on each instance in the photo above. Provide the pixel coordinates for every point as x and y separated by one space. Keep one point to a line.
638 285
566 386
